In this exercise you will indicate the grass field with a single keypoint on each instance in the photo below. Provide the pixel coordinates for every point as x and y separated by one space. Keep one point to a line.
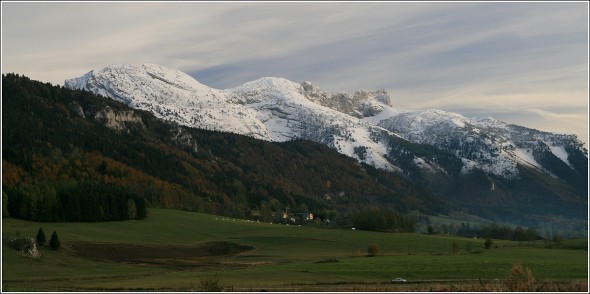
169 251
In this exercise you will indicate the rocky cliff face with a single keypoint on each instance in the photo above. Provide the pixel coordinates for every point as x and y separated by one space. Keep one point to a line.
111 118
117 120
359 104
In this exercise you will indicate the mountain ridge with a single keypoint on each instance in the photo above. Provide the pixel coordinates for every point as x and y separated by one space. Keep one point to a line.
490 168
35 113
54 136
276 109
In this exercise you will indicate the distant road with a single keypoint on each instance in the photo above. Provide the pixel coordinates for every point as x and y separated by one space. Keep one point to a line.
413 285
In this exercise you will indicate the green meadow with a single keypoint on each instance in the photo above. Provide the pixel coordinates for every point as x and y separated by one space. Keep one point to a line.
168 255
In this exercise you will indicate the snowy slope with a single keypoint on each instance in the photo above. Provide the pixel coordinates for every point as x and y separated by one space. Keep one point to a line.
362 125
172 95
272 109
484 143
494 146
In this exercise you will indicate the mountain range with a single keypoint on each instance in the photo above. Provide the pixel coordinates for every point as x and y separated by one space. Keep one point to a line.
495 169
362 125
56 140
475 166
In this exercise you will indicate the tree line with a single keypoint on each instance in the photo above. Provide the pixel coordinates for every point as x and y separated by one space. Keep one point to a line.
384 220
496 231
73 202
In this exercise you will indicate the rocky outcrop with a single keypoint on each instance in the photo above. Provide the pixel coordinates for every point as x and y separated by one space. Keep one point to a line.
358 104
25 245
184 138
117 120
78 110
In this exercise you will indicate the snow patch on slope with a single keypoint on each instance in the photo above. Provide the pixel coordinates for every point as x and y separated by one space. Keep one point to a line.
560 153
526 157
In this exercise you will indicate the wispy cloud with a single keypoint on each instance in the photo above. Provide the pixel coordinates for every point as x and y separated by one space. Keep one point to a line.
496 57
562 122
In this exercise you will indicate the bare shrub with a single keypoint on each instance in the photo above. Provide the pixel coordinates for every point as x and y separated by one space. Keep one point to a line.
211 283
373 250
520 279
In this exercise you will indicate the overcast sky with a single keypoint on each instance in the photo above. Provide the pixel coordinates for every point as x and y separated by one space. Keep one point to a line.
523 63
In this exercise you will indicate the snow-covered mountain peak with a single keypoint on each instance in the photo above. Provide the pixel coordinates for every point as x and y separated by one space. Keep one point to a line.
269 108
137 84
362 125
269 86
271 83
436 116
495 146
173 77
490 121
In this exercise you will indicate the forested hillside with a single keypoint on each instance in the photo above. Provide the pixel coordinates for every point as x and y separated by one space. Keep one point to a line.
55 137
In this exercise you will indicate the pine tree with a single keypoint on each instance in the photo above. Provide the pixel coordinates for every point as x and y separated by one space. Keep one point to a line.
54 242
41 239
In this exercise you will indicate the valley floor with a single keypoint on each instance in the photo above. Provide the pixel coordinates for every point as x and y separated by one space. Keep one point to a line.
184 251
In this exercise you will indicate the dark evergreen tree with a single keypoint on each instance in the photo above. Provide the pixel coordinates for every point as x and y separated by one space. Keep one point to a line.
54 241
41 239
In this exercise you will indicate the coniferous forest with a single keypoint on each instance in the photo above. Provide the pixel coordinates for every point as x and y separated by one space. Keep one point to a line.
74 202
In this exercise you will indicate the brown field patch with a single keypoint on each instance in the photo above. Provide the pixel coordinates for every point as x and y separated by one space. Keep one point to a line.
211 253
